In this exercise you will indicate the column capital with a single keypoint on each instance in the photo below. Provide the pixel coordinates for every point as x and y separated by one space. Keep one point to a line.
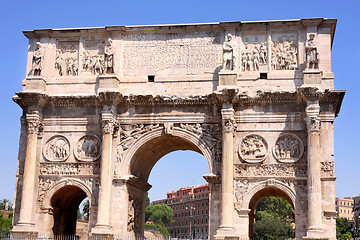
33 122
109 126
228 119
312 118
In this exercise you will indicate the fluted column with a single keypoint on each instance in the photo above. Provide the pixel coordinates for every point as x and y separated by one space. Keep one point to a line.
102 225
313 124
26 221
226 228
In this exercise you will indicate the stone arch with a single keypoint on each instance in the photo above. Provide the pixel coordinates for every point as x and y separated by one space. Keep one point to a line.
179 139
264 189
63 200
66 182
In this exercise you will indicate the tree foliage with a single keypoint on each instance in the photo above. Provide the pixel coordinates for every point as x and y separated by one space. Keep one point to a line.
5 223
159 214
273 219
342 229
86 210
147 200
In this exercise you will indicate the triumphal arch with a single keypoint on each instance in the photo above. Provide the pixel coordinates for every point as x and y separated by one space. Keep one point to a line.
102 105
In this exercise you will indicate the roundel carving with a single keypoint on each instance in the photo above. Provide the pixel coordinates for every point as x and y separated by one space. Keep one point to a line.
57 148
88 148
253 148
288 148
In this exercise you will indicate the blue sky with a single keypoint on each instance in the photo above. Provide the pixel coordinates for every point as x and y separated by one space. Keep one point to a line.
26 15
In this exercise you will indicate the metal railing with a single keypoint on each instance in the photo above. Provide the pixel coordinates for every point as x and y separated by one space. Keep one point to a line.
73 237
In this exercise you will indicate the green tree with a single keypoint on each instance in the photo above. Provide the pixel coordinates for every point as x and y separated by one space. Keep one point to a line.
5 223
147 200
273 219
159 214
342 229
85 209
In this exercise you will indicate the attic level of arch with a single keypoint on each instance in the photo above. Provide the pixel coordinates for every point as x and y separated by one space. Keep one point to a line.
155 53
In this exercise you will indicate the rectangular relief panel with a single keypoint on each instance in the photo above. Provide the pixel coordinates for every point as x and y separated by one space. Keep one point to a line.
67 58
284 51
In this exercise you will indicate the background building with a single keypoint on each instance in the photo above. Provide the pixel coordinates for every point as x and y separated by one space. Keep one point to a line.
344 208
191 211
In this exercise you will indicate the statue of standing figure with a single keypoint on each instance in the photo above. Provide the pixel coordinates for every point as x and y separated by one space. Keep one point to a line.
228 51
109 57
36 61
312 56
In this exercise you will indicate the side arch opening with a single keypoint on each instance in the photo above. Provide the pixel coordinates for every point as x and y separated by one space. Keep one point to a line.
281 210
65 203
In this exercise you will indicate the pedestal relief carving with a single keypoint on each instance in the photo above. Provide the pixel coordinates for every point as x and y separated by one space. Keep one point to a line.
254 53
261 170
327 169
253 148
66 61
57 148
284 52
88 148
36 61
288 148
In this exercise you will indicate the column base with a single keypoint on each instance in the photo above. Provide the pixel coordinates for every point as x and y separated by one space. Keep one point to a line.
315 233
102 231
22 230
226 233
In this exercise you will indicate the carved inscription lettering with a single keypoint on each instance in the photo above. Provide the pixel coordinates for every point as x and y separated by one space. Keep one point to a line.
158 52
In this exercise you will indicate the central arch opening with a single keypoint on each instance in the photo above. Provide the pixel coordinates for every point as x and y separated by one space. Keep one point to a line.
65 203
177 179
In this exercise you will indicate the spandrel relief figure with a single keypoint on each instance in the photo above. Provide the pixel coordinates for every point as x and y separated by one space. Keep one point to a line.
288 148
253 148
312 56
109 57
284 54
253 54
88 148
228 53
36 61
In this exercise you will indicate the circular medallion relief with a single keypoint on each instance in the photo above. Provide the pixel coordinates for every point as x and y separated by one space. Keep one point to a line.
88 148
57 148
288 148
253 148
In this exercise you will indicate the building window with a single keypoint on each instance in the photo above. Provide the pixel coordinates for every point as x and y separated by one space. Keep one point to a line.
206 221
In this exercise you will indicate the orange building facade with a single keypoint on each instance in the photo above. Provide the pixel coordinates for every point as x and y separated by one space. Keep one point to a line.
191 212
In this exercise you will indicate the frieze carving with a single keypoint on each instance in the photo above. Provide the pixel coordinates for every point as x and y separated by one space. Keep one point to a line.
37 60
228 54
66 61
288 148
134 213
57 148
327 169
240 188
93 56
284 53
69 169
254 54
88 148
275 170
253 148
312 55
158 52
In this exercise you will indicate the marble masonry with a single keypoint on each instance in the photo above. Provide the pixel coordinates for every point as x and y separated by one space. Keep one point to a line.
102 105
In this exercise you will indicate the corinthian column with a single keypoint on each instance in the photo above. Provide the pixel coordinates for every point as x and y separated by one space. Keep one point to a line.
26 221
314 229
103 215
226 229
